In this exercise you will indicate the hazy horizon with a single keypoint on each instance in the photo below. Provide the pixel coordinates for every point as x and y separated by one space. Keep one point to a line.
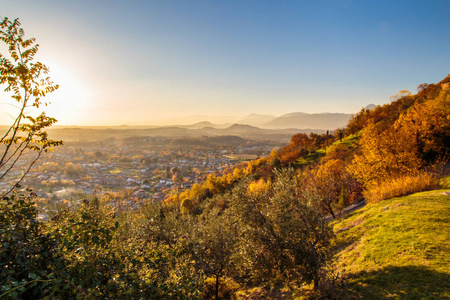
143 62
192 120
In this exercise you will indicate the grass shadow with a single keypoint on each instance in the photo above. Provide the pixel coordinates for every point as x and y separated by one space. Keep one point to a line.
407 282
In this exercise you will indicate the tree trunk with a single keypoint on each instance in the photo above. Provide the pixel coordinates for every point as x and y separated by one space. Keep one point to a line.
331 211
217 287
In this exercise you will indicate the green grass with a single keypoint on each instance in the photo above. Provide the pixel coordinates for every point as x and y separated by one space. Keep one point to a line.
350 140
398 248
310 158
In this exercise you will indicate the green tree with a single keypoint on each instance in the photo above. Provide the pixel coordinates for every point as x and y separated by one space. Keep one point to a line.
280 237
26 253
28 83
214 241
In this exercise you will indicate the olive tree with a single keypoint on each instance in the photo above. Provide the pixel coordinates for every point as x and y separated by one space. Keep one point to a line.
281 238
213 242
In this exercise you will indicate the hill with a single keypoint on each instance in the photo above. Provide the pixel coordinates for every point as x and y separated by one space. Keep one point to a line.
256 120
324 121
242 128
199 125
397 248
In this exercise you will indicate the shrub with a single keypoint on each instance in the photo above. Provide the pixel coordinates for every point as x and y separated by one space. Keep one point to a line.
401 186
25 251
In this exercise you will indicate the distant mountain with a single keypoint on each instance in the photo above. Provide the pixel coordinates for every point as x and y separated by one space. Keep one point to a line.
182 121
241 128
256 120
296 120
200 125
301 120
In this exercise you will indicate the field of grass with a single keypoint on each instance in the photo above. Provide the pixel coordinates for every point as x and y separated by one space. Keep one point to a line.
398 248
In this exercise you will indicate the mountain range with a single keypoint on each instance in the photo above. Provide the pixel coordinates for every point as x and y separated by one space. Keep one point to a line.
295 120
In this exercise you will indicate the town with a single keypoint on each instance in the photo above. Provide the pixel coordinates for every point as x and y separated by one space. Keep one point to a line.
131 171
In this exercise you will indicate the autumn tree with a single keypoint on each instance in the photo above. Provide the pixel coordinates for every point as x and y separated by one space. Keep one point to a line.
27 83
428 126
330 186
386 152
407 145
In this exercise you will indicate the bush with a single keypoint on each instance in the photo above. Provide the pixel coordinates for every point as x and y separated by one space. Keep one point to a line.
25 252
401 186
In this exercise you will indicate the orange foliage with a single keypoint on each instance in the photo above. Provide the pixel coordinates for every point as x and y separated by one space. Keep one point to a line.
417 138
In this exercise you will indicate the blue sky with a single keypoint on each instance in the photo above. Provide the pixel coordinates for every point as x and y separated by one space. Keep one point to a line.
138 62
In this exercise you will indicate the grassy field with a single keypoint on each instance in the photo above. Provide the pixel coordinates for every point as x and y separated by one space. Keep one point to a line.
398 248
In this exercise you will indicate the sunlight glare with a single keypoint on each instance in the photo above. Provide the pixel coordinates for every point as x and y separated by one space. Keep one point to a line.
73 96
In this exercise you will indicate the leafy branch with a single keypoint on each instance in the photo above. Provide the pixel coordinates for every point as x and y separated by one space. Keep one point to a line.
28 83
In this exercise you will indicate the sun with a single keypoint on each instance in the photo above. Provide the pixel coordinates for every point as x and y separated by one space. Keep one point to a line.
72 98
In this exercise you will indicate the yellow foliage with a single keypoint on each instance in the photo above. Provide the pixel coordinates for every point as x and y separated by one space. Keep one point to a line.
258 187
417 138
386 153
401 186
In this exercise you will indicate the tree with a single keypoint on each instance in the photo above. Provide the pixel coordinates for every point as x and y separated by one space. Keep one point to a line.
27 83
214 240
26 254
427 125
280 237
331 186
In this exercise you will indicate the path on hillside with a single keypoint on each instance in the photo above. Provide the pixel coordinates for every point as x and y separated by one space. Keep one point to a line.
349 209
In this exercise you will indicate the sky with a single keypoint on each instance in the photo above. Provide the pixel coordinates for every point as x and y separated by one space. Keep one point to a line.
145 62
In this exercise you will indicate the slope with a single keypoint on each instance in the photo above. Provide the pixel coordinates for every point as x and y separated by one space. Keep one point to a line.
398 248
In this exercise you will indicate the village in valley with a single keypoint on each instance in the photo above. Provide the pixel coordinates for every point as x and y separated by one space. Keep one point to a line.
129 172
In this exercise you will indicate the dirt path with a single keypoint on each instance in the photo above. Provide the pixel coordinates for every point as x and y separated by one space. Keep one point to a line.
349 209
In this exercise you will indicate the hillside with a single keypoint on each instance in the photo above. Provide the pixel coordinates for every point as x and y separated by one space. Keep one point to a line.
397 248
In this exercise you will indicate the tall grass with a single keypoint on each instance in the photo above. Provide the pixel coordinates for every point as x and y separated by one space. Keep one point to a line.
402 186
